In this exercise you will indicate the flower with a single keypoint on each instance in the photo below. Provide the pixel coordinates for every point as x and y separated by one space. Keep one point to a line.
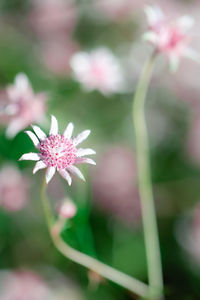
13 189
169 37
58 151
23 106
98 70
67 209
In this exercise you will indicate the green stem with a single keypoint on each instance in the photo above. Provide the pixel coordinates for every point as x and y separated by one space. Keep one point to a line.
126 281
145 185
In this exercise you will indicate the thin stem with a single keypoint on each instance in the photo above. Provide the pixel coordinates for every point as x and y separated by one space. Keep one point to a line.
145 185
93 264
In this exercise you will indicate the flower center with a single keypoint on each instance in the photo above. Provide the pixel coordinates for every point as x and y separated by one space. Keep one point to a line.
58 151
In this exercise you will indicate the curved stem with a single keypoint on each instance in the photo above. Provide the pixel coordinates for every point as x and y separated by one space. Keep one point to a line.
93 264
145 185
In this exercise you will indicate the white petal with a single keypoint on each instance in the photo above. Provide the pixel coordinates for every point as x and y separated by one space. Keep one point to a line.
68 131
39 165
85 160
150 36
54 126
30 156
14 127
77 172
49 173
39 132
33 138
192 54
21 82
185 23
81 137
66 176
81 152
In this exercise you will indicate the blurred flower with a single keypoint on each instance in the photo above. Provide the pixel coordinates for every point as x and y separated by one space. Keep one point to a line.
67 209
22 106
169 37
24 285
57 53
53 17
117 9
98 70
59 151
13 188
115 184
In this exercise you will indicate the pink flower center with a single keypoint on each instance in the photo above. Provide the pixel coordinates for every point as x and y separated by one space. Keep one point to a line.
58 151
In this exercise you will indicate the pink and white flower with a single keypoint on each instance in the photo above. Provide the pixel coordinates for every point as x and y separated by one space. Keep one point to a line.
59 151
169 37
23 106
98 70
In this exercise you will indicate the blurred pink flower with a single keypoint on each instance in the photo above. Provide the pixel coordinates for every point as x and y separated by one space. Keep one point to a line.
114 184
117 9
67 209
24 285
59 152
13 189
57 53
98 70
53 17
22 106
170 38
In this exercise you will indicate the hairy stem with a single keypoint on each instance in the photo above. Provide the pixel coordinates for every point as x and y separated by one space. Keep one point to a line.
145 184
93 264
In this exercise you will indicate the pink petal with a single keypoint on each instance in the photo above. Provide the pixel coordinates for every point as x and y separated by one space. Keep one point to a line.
30 156
49 173
76 171
82 152
66 176
39 165
81 137
33 138
83 160
54 126
42 136
68 131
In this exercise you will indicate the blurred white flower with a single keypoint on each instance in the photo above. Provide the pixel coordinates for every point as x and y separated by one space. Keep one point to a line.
170 38
59 152
13 189
22 106
98 70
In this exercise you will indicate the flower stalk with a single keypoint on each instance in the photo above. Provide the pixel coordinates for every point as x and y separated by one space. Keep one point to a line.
145 185
126 281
